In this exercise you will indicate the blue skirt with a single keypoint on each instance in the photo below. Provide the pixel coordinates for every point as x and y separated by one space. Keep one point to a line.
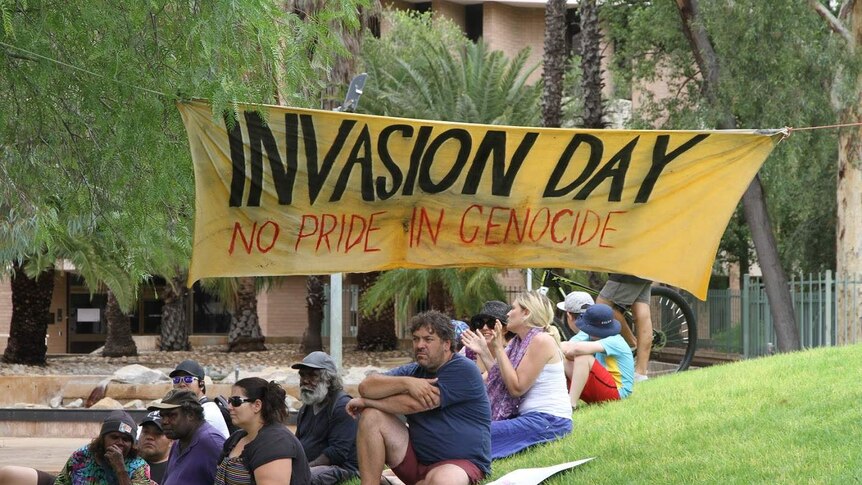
510 436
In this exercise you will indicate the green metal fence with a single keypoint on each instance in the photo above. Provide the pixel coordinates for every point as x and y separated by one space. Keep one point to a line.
740 321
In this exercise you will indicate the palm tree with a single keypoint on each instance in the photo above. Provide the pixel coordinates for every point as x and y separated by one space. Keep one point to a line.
591 64
427 69
174 328
553 62
454 291
376 331
31 298
119 341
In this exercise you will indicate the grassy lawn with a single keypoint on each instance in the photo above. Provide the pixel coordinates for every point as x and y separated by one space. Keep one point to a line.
793 418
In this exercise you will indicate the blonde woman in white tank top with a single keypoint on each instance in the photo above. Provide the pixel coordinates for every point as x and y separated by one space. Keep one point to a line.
536 383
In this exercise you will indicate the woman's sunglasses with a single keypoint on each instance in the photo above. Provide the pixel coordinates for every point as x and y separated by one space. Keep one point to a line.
186 379
478 324
236 401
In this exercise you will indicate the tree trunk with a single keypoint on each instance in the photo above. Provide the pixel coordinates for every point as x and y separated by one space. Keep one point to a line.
591 65
377 331
175 330
31 303
849 237
245 334
315 300
753 201
439 299
119 342
774 278
553 63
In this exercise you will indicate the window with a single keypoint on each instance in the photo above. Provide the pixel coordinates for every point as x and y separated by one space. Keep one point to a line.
473 21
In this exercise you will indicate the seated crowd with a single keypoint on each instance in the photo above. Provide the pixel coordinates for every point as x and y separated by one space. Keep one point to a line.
475 393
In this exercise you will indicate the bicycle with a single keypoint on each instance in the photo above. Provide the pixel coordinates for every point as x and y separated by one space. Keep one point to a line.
674 326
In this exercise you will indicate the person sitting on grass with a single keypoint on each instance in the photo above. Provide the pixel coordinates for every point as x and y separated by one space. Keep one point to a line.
153 447
111 458
194 454
526 382
326 431
190 375
448 438
599 362
263 451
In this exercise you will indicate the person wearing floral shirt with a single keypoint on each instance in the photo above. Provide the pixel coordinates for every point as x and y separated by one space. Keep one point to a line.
110 459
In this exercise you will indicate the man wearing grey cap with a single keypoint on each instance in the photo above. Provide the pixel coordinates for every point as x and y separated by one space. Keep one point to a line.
194 455
326 431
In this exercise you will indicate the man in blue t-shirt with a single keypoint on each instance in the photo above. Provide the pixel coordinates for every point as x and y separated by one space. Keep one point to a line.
448 440
598 362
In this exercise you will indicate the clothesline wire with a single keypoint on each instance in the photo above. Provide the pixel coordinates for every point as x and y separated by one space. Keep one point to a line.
789 129
66 64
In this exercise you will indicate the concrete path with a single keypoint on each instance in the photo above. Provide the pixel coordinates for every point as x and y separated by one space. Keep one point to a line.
48 454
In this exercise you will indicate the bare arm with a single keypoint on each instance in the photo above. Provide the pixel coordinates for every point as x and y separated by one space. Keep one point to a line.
540 351
574 349
477 343
276 472
379 386
398 404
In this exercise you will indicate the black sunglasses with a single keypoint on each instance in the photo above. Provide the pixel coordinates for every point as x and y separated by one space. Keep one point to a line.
236 401
479 323
186 379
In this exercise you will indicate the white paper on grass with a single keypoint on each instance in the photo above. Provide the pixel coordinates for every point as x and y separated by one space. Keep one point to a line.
535 476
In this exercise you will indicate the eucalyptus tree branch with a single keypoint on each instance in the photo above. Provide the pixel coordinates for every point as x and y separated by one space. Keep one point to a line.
834 23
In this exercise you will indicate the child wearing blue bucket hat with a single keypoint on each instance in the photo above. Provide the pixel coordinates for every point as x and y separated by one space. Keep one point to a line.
599 363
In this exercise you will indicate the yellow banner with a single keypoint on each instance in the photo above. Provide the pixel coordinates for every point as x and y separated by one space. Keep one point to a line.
313 192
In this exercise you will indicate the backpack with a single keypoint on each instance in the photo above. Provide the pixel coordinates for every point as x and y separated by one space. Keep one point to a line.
221 402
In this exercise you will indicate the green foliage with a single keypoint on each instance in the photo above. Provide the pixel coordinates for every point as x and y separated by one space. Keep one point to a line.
96 165
424 68
777 61
469 288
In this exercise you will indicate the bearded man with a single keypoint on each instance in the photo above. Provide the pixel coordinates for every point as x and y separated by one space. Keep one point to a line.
326 431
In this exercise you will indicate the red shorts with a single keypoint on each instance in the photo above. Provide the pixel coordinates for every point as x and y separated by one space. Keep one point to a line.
411 471
600 385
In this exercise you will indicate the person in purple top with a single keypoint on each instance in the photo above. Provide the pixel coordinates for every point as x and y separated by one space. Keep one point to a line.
195 453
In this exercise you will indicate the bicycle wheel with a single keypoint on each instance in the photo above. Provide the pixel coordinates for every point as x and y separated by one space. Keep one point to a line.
674 328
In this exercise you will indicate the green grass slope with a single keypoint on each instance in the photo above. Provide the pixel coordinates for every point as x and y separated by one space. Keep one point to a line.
790 418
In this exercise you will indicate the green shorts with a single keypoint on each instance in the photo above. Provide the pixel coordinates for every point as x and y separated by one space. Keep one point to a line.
624 294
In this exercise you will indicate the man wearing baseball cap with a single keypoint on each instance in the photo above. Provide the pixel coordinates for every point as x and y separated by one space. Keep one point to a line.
599 362
326 431
153 445
190 375
194 455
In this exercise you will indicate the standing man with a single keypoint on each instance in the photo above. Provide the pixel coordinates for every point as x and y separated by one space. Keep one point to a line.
190 375
326 431
628 291
448 440
154 446
194 456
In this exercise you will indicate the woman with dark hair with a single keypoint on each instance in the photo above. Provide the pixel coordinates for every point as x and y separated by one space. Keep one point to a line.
110 459
263 450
